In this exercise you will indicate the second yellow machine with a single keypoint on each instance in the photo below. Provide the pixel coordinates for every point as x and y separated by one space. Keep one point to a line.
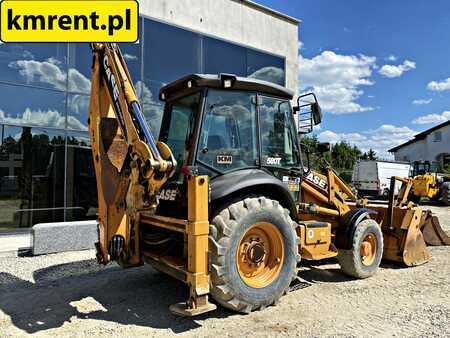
429 183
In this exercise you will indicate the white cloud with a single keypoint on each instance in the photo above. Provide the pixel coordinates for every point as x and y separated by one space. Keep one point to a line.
381 139
78 82
300 45
129 57
336 79
271 74
432 118
49 72
45 72
439 86
422 102
42 118
391 58
391 71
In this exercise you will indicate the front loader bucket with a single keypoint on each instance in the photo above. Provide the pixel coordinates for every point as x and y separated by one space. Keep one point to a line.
403 240
432 231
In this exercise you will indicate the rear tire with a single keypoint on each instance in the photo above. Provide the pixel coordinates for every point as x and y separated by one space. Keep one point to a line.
445 192
352 262
230 285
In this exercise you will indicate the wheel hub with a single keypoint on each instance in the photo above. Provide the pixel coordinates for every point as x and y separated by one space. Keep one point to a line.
255 252
260 255
368 249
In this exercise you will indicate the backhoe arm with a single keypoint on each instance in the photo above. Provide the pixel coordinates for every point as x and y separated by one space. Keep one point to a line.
130 165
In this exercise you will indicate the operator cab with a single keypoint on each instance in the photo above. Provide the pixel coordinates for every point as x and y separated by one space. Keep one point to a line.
223 125
424 167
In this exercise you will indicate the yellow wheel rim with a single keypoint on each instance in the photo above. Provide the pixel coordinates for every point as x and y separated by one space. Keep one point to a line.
368 249
260 255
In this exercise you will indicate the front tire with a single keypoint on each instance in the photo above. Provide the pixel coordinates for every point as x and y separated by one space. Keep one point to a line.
254 253
363 260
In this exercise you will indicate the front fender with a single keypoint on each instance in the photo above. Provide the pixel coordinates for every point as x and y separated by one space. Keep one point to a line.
346 231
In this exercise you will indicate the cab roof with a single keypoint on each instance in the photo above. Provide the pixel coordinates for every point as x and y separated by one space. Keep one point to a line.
217 81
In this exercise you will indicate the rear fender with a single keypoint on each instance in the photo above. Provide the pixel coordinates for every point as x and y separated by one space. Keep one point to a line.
234 185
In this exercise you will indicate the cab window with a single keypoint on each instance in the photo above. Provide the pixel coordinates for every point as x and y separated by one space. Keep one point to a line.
180 123
228 138
278 134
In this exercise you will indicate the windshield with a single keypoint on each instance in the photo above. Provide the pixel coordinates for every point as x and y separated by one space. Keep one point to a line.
228 139
178 127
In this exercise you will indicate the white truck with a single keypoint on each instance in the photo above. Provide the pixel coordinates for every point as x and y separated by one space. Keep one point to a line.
372 178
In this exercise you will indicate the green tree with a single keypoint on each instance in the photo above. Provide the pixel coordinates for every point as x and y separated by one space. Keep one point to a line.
372 155
342 157
447 169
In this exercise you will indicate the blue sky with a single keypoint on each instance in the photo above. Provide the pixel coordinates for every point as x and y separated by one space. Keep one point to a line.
381 68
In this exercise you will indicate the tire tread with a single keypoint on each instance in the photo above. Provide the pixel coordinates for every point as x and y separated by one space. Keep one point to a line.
222 228
348 259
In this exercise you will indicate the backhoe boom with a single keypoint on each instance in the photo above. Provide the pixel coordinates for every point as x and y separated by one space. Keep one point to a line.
130 166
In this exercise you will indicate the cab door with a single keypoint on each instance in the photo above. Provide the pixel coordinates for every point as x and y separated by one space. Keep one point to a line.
279 144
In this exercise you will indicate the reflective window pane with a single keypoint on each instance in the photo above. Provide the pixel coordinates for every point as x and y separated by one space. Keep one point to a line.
228 138
153 108
36 64
179 122
31 106
80 63
32 176
77 111
81 185
223 57
132 53
277 134
266 67
153 114
169 52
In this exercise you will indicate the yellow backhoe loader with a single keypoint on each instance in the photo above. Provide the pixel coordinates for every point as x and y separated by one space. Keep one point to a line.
429 183
224 201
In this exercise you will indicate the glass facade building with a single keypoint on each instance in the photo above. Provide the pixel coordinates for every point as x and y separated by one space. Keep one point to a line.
46 170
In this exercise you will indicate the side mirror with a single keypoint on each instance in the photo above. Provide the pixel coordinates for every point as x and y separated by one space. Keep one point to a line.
309 113
316 113
323 147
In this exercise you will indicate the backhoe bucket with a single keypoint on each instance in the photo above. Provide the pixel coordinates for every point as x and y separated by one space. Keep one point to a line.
432 231
403 240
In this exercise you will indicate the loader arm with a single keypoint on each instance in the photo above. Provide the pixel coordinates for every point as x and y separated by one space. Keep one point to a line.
327 194
407 229
130 165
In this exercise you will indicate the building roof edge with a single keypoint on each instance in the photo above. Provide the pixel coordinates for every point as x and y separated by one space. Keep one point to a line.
270 11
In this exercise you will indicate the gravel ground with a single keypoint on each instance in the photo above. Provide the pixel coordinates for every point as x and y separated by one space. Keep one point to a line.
70 295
